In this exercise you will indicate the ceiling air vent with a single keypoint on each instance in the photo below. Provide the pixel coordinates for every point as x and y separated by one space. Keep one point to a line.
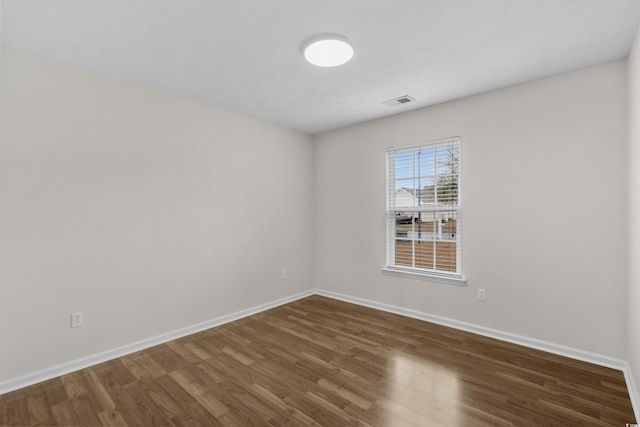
398 101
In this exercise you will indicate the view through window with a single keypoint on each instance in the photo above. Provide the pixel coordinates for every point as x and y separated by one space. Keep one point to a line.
423 207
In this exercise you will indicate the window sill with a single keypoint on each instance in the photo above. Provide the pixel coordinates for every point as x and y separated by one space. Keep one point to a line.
431 277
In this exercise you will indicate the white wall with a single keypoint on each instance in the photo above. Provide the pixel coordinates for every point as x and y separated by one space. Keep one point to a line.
138 209
0 48
544 181
633 332
134 206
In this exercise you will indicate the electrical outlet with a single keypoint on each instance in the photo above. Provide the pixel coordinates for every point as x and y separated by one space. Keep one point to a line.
283 273
77 319
482 295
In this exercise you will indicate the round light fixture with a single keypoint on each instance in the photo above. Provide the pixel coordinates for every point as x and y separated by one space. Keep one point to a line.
328 51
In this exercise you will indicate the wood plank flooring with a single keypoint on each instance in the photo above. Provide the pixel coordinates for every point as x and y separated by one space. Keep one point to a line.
321 362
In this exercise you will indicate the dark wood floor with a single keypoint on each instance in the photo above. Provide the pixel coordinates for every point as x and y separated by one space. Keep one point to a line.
318 361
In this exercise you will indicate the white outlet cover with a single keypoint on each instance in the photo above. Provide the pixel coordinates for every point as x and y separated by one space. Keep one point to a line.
77 319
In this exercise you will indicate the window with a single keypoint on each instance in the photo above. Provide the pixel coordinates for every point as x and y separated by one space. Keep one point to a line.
423 211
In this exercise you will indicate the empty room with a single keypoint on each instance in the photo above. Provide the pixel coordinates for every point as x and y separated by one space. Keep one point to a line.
363 212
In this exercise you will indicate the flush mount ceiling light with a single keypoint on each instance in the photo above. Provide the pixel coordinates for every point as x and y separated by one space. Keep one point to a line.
328 50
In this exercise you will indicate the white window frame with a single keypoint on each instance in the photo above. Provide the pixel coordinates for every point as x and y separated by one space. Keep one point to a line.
420 208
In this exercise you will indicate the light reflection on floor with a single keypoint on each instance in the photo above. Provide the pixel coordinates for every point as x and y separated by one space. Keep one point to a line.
420 392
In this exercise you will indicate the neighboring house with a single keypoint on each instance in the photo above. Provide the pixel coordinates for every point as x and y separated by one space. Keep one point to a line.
409 197
433 225
412 198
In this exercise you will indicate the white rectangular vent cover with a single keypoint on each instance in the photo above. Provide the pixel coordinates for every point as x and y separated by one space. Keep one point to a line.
398 101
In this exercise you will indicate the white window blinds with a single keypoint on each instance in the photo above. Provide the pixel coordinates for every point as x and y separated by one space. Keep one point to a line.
423 208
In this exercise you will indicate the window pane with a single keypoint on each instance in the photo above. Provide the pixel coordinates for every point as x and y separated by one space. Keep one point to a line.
424 255
447 175
446 256
404 253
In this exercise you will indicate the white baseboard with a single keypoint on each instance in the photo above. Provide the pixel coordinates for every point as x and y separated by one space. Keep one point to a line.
85 362
74 365
585 356
632 386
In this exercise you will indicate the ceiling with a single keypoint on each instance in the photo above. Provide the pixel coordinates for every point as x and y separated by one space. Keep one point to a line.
245 55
